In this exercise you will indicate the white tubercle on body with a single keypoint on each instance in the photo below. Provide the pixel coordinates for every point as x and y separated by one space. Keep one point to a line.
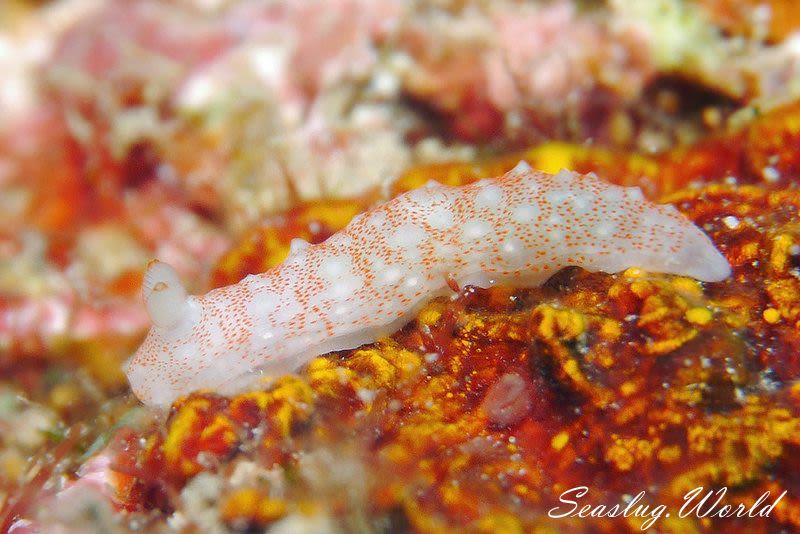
368 279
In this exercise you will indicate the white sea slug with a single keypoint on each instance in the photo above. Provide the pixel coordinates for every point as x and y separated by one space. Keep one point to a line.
370 278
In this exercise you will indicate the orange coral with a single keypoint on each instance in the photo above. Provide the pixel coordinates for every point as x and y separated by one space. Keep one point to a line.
197 428
248 507
266 246
762 151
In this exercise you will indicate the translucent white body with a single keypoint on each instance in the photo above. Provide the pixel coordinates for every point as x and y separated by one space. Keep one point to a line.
371 277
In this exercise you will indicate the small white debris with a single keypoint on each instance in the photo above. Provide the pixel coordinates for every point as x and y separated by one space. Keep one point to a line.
771 174
507 401
431 357
366 395
731 222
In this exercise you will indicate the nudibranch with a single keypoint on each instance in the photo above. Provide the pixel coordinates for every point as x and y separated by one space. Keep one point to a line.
371 277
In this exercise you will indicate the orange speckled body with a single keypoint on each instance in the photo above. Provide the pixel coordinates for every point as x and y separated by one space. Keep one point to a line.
366 280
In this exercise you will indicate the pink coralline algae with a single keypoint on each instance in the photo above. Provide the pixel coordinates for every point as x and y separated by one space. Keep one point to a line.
513 69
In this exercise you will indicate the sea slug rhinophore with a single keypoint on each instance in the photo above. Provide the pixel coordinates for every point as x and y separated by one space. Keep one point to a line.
368 279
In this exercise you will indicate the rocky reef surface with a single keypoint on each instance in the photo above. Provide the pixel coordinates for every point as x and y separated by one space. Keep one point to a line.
210 134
